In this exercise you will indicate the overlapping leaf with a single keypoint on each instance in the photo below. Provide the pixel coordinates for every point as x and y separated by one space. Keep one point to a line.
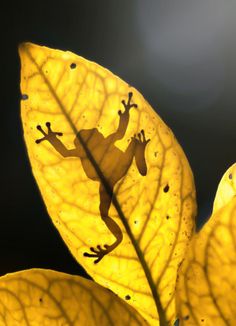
206 288
154 208
43 297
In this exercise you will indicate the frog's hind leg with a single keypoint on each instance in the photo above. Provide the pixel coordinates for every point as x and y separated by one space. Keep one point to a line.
136 149
105 203
140 153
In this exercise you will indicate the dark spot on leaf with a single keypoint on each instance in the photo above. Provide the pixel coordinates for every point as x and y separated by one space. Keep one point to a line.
127 297
24 97
166 188
155 154
40 299
186 317
202 320
167 217
135 222
73 66
230 176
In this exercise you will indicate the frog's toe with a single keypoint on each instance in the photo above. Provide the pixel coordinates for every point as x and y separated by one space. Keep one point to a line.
97 253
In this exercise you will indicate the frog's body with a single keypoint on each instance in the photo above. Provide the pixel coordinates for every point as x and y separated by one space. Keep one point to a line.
113 163
98 153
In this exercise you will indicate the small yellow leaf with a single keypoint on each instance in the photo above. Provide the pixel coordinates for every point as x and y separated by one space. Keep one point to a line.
116 184
206 286
40 297
226 189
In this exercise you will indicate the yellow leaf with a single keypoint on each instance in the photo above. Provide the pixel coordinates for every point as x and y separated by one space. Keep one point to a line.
43 297
117 185
226 189
206 287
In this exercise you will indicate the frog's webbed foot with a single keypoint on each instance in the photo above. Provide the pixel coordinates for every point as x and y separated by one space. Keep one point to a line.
128 105
98 252
142 138
50 135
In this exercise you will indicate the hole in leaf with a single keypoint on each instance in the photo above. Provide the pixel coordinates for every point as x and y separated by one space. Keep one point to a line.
166 188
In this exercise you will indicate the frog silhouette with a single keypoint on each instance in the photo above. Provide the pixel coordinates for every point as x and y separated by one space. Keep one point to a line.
100 157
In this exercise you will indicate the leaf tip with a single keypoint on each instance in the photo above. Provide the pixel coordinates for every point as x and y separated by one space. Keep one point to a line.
22 47
25 47
226 189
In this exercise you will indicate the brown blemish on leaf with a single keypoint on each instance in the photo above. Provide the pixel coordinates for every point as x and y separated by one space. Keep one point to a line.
73 65
24 97
166 188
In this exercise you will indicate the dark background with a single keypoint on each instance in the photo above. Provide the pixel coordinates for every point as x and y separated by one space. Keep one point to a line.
181 55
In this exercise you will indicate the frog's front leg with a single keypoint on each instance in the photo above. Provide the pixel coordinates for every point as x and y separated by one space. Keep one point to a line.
99 251
51 137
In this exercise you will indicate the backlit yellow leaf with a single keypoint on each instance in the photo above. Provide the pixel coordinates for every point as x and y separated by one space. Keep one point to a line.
206 288
226 189
116 184
40 297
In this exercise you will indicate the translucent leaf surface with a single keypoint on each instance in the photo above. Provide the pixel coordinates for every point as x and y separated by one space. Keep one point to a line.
206 288
40 297
226 189
116 184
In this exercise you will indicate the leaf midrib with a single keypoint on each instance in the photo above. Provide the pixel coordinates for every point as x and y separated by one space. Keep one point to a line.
160 310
